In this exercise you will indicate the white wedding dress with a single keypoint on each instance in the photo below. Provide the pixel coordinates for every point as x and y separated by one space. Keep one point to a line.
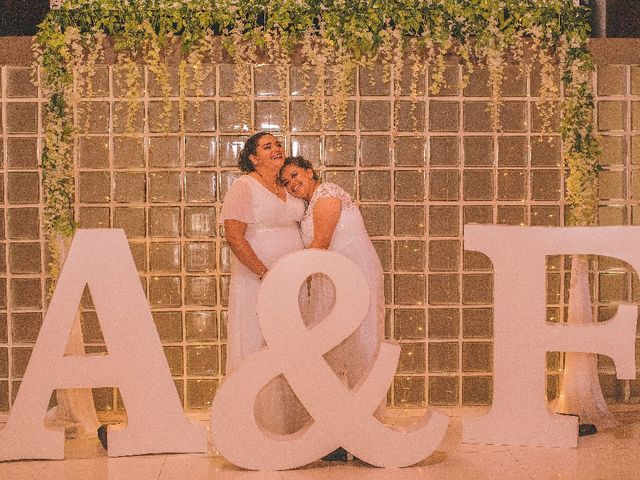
353 358
273 230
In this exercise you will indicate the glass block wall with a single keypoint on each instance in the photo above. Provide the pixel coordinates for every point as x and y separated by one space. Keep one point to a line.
415 189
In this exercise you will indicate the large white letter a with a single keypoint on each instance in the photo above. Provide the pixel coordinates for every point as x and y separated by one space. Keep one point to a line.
135 363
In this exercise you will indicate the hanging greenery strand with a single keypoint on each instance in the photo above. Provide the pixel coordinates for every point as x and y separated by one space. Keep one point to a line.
333 38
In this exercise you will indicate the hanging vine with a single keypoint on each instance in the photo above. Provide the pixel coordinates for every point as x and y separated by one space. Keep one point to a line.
332 38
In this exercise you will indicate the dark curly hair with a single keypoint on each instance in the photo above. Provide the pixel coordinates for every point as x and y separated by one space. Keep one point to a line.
250 148
300 162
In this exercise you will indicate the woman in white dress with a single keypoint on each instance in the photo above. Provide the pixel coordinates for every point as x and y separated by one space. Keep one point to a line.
261 221
333 221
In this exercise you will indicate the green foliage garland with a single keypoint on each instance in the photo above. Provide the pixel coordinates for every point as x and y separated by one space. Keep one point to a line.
333 37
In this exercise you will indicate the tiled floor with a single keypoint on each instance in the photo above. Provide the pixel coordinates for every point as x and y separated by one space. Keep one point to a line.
613 454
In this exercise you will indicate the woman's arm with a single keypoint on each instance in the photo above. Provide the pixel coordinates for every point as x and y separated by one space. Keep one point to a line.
326 214
235 230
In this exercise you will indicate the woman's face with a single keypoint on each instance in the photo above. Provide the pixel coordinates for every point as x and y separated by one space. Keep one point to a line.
269 154
298 181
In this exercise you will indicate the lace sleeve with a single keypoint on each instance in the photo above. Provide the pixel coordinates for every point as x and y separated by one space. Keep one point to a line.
238 203
331 190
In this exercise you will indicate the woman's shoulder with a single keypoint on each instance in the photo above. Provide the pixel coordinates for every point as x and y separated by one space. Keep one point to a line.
331 190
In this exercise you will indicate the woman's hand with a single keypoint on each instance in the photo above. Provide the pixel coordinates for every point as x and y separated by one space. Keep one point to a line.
326 214
235 233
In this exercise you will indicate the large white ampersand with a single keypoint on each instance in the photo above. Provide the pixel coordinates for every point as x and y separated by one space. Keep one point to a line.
342 417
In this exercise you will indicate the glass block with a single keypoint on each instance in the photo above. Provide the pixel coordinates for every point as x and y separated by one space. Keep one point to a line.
22 188
129 187
443 116
374 185
128 152
93 117
553 288
200 393
200 151
200 116
409 185
93 152
19 83
444 323
443 357
409 220
22 153
479 85
229 120
444 151
477 323
22 117
132 220
266 80
635 115
20 358
157 89
164 187
412 358
537 122
611 80
546 152
512 215
164 152
478 184
409 255
611 216
553 315
443 221
138 251
94 187
409 151
371 81
302 117
410 116
554 361
342 178
26 293
513 117
298 84
512 185
164 221
4 336
4 396
451 85
409 324
3 293
309 147
202 360
512 151
377 219
635 79
375 115
199 221
175 359
4 363
128 118
269 115
200 291
477 390
169 326
475 261
164 257
477 117
23 223
383 249
227 76
230 147
477 356
163 116
164 292
612 287
514 82
545 215
200 186
409 391
375 150
224 290
25 326
478 152
613 150
444 289
444 185
477 289
409 289
201 326
24 258
200 256
444 255
612 185
545 185
612 115
3 257
339 150
226 179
